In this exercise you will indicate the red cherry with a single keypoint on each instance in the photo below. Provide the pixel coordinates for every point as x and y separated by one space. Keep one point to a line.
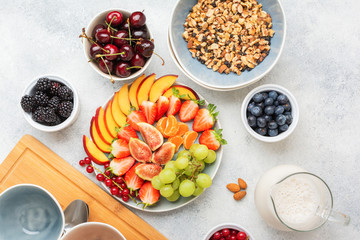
121 34
127 52
94 50
137 19
125 25
115 18
145 47
225 232
137 60
82 163
89 169
114 190
216 236
103 36
97 28
106 165
87 160
122 69
108 182
139 33
110 49
241 236
103 63
100 177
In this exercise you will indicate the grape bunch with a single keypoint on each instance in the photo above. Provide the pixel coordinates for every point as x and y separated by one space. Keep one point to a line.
183 176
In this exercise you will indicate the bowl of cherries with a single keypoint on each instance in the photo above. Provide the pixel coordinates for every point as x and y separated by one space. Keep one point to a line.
118 44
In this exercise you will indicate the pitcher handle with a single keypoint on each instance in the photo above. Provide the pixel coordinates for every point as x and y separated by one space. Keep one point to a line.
339 217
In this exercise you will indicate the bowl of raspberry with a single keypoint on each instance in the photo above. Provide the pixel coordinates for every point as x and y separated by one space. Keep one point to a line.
50 103
228 231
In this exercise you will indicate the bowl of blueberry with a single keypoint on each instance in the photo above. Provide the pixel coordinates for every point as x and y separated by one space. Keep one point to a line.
118 45
228 231
270 113
50 103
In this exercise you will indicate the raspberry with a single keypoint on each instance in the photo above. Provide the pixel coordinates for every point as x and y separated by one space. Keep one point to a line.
27 103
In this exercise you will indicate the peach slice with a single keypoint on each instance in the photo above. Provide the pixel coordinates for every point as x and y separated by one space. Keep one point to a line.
183 90
101 127
144 89
133 91
110 123
124 101
116 112
160 86
104 147
93 152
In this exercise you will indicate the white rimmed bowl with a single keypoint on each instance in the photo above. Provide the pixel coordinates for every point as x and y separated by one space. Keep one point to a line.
30 90
100 19
294 112
228 226
93 230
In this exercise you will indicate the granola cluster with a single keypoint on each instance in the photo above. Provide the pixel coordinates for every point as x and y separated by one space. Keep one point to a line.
228 35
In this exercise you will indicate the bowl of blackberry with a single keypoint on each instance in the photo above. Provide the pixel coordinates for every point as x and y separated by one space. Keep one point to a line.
50 103
270 113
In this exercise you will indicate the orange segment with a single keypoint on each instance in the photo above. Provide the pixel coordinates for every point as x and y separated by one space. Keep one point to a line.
161 124
177 140
171 126
189 138
183 128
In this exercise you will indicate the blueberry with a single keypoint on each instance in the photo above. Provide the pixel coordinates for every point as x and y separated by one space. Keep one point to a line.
261 122
276 103
273 125
250 106
269 110
262 105
279 110
256 111
269 101
287 113
282 99
268 118
251 120
258 97
273 132
289 119
261 131
287 107
283 128
280 119
265 95
273 94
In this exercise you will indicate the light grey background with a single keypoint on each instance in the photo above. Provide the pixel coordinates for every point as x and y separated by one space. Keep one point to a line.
319 65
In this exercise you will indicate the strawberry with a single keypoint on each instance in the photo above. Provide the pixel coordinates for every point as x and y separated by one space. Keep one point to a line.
189 109
174 105
205 118
132 180
212 139
120 148
162 106
135 117
150 110
126 133
148 194
119 166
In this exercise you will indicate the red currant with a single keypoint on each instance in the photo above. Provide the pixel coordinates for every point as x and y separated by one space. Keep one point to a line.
225 232
216 236
114 178
138 197
233 232
125 198
100 177
107 172
119 180
89 169
87 160
82 163
126 191
106 165
232 237
123 186
241 236
108 182
120 193
133 194
114 190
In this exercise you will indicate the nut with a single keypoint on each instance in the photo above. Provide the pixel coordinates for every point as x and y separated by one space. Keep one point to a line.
242 183
233 187
239 195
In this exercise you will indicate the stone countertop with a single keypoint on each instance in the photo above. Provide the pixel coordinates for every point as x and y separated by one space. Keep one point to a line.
320 65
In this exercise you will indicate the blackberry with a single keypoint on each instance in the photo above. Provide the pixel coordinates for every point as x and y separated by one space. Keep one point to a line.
54 88
38 115
65 109
43 84
54 102
65 93
57 121
49 115
41 98
27 103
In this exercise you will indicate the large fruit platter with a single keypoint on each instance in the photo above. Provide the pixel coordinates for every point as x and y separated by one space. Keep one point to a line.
155 145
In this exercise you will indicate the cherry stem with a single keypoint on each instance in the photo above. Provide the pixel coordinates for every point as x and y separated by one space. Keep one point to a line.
110 54
163 62
110 27
133 67
110 23
111 79
91 41
129 39
128 22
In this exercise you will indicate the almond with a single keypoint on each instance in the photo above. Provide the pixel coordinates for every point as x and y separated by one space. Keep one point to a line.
239 195
233 187
242 183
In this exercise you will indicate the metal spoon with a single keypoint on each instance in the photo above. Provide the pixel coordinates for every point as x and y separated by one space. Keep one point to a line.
77 212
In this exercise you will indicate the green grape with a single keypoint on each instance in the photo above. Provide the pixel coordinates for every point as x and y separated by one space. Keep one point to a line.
184 153
171 165
156 182
198 191
175 196
201 152
186 188
167 175
203 180
176 184
211 157
193 148
189 170
199 165
182 162
167 190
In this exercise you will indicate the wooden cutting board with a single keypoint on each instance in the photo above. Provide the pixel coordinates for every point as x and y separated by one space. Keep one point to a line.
32 162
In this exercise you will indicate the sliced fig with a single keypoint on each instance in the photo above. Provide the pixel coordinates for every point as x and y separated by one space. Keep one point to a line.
151 135
140 150
147 171
164 154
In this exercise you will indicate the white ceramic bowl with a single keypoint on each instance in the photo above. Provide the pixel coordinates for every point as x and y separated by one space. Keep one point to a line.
294 112
93 230
229 226
100 19
30 90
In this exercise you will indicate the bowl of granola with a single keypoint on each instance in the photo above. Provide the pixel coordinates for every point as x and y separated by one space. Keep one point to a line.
227 45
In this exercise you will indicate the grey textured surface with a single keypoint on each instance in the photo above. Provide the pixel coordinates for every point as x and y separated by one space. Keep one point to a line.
320 65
